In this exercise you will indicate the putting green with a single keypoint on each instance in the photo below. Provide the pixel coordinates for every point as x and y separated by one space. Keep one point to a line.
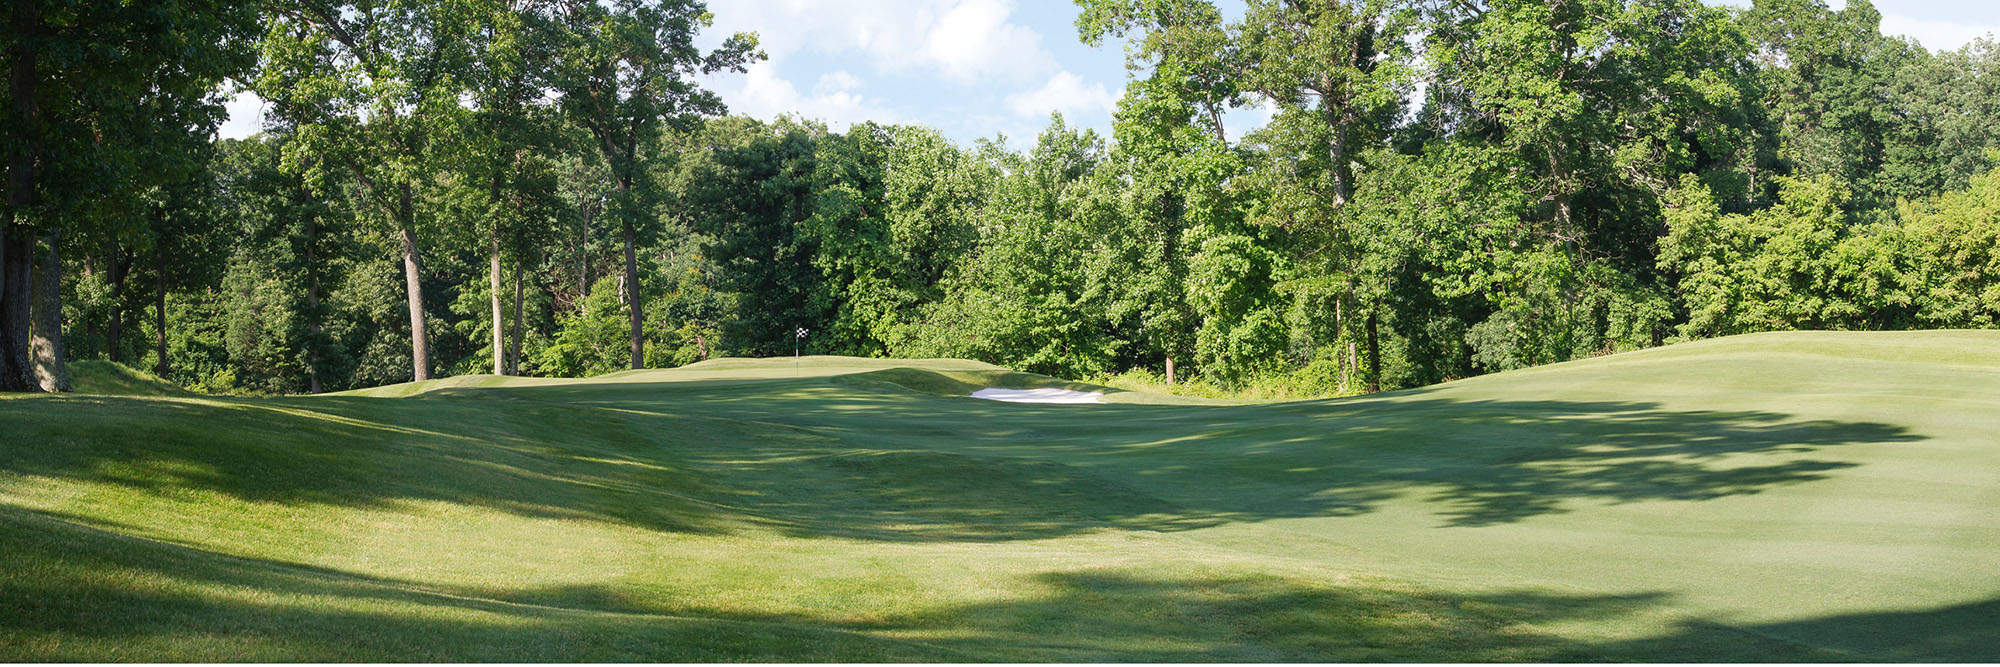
1773 497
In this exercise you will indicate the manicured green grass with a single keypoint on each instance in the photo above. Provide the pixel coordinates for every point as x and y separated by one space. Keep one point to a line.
1776 497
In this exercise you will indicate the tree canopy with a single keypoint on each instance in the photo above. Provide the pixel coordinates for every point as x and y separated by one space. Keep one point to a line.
547 187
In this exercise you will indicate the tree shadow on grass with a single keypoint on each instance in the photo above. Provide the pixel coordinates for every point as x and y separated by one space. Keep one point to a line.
531 460
76 593
1960 633
815 459
73 593
971 468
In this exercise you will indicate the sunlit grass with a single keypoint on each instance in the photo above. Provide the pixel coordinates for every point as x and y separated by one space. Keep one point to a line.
1775 497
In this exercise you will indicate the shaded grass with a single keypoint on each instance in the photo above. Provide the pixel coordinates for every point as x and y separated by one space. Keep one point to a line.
76 593
82 593
1795 497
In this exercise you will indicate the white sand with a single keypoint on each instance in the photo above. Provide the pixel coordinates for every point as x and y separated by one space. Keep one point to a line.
1038 395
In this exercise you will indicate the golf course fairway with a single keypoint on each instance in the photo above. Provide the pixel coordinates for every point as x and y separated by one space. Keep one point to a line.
1770 497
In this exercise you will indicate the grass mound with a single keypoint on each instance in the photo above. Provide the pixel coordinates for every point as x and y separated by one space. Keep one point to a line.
957 382
473 381
115 379
1803 496
823 362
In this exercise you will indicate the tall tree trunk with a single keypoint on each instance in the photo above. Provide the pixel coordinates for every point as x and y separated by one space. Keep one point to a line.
90 324
634 298
1170 370
50 371
1337 148
1340 331
160 308
114 335
499 314
582 260
314 328
16 369
1343 187
494 278
16 245
1350 367
514 346
413 287
1374 356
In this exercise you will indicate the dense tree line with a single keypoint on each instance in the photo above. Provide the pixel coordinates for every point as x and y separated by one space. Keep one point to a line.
541 187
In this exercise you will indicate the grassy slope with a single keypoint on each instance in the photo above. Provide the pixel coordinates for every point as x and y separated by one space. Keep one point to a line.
1769 497
104 377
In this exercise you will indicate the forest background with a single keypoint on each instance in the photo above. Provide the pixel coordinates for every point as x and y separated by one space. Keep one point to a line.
544 187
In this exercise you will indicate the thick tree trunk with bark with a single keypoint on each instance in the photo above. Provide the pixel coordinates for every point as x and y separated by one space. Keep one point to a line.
47 342
1170 370
16 245
633 294
1347 369
90 324
1374 356
634 299
16 370
1340 331
413 287
313 326
114 335
499 314
514 346
494 279
582 249
160 309
1333 111
1337 158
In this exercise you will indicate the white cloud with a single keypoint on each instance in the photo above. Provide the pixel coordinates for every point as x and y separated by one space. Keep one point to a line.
1064 92
1019 131
1935 35
1239 122
246 116
835 82
836 99
973 39
964 40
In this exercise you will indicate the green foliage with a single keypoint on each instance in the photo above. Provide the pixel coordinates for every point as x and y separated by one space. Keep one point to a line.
1797 265
592 341
1230 286
849 233
1031 296
626 73
1575 179
1954 245
748 189
1851 103
682 327
124 97
1322 377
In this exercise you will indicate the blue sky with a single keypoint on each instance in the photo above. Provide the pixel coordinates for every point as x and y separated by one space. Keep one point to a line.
974 68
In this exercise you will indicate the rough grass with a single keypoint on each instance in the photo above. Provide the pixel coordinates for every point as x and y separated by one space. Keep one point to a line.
104 377
1761 498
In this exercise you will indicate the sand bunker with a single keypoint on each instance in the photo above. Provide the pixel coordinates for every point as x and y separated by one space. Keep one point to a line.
1038 395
